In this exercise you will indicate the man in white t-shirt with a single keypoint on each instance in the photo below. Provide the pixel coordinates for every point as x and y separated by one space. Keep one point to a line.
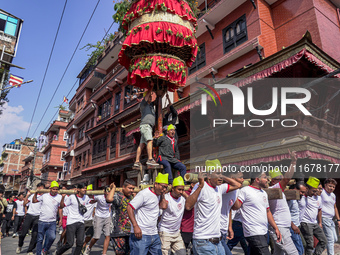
280 210
75 227
228 200
170 223
31 221
143 211
254 207
88 219
19 213
50 203
102 222
206 197
295 215
311 221
329 210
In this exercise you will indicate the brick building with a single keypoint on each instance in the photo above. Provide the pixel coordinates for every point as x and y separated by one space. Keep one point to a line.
243 41
55 149
13 156
26 170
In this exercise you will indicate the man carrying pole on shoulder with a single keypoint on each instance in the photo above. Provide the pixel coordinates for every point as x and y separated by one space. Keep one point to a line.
170 223
143 212
50 203
206 196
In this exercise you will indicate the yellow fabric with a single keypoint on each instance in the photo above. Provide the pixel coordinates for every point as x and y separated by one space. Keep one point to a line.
212 164
144 94
275 173
89 187
171 127
178 181
54 184
162 178
313 182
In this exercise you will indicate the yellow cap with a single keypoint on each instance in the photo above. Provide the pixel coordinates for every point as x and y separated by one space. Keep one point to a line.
212 165
54 184
313 182
171 127
275 173
178 181
89 187
162 178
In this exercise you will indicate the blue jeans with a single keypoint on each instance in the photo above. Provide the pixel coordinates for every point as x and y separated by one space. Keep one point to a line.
48 229
224 243
297 241
167 168
238 237
205 247
330 233
149 244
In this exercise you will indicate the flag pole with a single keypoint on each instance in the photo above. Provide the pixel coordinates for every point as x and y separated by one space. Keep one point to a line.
11 87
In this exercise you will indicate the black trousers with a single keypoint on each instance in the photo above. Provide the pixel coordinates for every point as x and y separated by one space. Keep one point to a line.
258 245
30 221
74 230
17 223
6 225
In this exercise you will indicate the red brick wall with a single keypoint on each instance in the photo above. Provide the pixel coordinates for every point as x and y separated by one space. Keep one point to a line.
328 25
292 19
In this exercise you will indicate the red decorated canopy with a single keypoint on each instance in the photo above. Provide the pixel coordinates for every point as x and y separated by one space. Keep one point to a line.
160 42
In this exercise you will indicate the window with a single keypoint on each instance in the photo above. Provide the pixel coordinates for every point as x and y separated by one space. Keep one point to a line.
235 34
131 94
80 104
72 140
63 153
113 145
65 136
48 156
104 110
84 157
200 60
81 133
65 167
99 150
117 102
8 25
126 143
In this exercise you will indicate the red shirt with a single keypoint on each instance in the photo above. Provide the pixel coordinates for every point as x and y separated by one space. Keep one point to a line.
187 224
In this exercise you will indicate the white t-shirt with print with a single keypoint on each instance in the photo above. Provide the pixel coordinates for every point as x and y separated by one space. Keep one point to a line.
90 207
312 206
328 201
172 216
146 206
71 203
280 209
33 208
103 208
254 211
207 213
228 200
20 208
49 207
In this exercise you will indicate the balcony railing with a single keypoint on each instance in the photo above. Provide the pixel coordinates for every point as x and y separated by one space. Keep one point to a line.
207 6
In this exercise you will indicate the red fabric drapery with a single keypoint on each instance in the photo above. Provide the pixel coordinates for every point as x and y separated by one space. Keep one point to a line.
167 68
178 7
176 37
300 154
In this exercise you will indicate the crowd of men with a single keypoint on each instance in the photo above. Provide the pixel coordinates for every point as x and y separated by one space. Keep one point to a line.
197 219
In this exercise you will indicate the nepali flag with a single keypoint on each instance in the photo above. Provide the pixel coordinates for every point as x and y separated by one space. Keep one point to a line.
65 100
15 80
